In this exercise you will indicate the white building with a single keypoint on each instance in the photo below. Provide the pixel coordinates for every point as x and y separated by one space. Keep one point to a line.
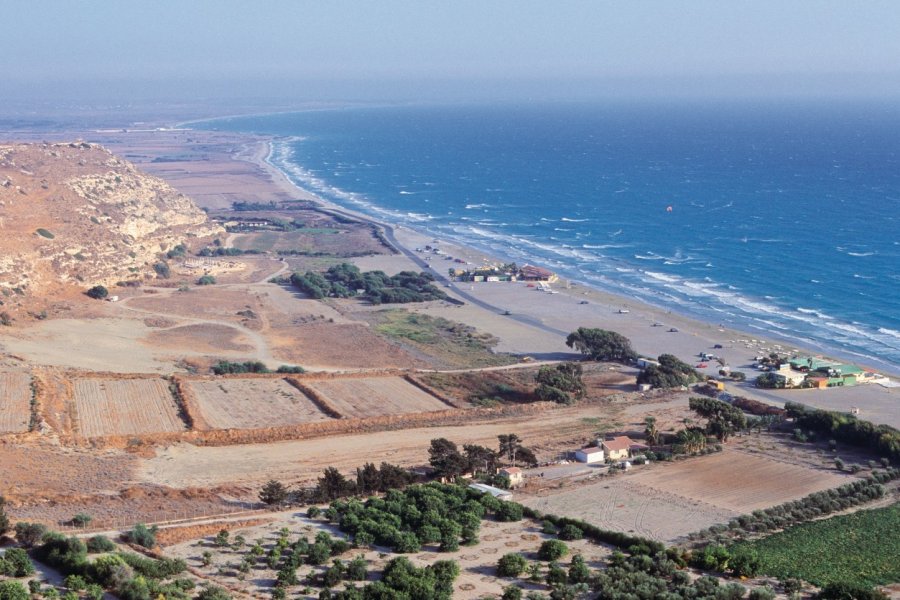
493 491
590 455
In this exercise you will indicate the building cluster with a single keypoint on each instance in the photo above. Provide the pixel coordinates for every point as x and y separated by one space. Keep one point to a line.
820 373
509 272
617 449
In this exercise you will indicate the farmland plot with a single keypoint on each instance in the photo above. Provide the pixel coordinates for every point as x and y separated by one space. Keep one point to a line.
740 481
375 396
253 403
668 501
15 401
621 504
125 407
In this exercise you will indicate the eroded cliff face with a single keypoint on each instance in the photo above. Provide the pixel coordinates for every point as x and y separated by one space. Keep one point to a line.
76 214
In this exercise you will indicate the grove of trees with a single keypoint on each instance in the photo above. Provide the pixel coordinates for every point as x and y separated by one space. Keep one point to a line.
600 344
344 281
670 373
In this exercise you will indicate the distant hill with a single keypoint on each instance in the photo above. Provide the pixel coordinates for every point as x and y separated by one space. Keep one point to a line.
76 214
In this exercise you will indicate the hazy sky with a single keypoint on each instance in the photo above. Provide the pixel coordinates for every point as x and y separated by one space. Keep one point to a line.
384 47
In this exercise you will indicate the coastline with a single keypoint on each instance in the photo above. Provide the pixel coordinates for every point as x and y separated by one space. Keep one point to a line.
640 316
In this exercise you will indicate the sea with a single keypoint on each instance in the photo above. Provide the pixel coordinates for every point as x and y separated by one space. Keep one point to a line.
779 219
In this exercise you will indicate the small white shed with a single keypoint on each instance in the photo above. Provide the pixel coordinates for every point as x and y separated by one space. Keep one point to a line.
590 455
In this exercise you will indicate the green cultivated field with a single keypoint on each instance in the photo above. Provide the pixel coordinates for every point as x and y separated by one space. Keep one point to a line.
860 548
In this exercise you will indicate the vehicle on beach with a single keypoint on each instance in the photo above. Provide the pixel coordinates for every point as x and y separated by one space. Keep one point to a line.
584 302
624 311
702 365
673 330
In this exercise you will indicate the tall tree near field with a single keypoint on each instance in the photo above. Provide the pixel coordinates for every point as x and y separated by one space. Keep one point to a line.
722 419
4 518
333 485
650 431
480 458
509 445
368 479
273 492
446 459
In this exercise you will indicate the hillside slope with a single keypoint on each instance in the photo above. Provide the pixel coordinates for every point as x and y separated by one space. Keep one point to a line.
76 214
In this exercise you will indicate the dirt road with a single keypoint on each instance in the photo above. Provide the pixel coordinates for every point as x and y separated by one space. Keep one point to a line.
184 465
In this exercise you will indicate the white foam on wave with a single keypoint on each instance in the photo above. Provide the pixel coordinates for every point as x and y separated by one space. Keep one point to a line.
889 332
860 253
568 220
662 276
812 311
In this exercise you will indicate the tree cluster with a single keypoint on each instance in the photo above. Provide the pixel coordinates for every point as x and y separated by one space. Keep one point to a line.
561 383
421 514
722 419
659 576
670 373
447 461
881 439
403 581
344 281
333 485
129 576
600 344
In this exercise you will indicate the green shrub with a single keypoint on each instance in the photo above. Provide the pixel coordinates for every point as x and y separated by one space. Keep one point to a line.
142 535
98 292
100 543
552 550
511 565
44 233
13 590
30 534
206 280
15 563
570 532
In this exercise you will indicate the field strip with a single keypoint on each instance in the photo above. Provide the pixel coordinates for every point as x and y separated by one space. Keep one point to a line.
15 402
125 407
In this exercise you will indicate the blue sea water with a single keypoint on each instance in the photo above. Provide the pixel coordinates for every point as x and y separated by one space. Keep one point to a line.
784 220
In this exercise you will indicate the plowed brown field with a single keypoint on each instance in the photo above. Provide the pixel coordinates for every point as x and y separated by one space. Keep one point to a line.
252 403
375 396
125 407
15 401
668 501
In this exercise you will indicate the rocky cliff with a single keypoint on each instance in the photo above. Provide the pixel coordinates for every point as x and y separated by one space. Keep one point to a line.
76 214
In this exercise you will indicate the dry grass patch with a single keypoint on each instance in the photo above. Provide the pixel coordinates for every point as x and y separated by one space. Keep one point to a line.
15 402
125 407
253 403
375 396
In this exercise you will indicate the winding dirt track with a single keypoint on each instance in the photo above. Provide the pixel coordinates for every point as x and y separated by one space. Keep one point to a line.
261 352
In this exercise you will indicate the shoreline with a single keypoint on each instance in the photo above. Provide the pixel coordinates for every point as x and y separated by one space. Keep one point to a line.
751 342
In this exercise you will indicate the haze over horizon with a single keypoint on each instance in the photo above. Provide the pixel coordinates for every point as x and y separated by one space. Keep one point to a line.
281 52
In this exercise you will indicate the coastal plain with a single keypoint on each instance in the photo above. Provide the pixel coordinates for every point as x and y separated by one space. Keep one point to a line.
118 394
